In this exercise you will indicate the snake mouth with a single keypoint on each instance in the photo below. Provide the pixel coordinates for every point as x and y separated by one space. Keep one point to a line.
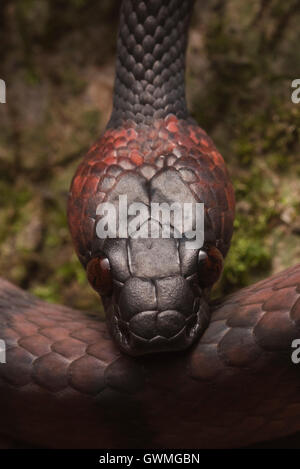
154 332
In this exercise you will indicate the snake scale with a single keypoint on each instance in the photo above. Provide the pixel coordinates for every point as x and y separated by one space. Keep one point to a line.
66 382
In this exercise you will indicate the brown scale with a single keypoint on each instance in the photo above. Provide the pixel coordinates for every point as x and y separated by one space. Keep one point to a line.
237 386
148 149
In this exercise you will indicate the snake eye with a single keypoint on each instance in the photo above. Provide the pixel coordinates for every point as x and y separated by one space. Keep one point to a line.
210 265
99 275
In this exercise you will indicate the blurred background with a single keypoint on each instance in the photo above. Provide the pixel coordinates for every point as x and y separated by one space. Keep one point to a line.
57 58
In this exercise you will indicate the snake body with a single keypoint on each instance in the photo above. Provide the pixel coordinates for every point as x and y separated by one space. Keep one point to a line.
66 383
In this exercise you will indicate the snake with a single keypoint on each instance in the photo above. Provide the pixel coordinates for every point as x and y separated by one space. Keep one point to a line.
169 368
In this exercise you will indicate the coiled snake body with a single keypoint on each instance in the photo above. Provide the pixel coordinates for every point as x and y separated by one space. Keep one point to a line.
65 383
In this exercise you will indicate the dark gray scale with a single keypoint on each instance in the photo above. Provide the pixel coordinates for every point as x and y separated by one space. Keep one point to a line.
157 303
151 61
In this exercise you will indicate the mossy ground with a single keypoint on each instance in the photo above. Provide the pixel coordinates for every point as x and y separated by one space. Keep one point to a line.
57 59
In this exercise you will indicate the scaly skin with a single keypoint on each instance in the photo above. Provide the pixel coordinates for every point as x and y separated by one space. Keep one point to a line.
152 151
66 385
147 150
171 160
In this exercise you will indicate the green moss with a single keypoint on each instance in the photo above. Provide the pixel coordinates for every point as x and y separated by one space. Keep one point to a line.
72 270
49 292
72 80
91 121
248 259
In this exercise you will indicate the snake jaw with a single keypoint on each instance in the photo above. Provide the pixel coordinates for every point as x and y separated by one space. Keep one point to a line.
132 343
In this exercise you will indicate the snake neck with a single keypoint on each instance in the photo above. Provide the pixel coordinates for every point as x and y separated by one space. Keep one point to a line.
150 70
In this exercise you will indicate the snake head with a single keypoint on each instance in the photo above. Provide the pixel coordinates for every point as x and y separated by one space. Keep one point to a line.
158 300
155 291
